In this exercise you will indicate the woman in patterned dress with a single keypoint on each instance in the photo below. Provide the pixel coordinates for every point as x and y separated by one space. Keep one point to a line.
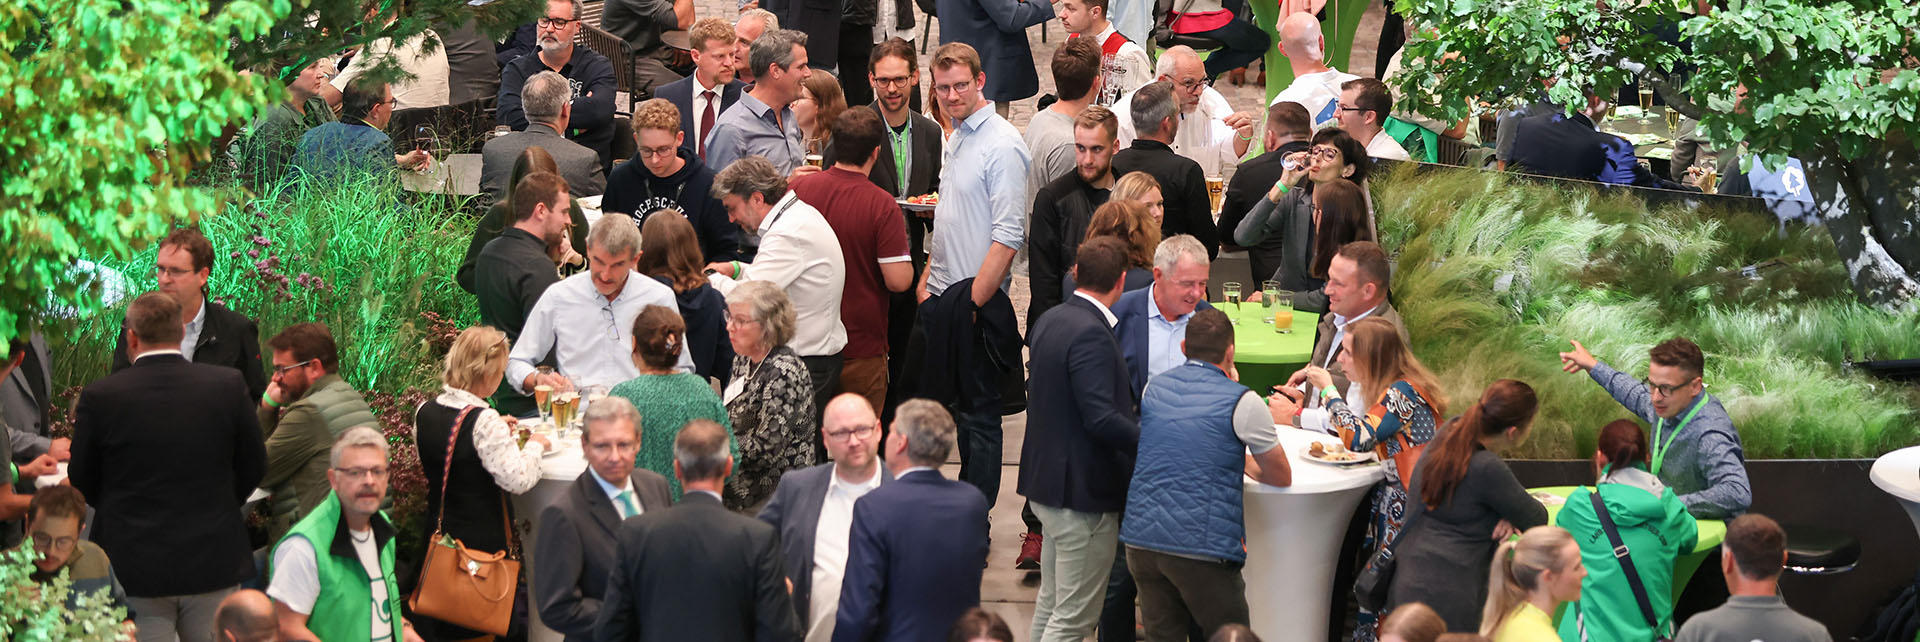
1402 405
770 397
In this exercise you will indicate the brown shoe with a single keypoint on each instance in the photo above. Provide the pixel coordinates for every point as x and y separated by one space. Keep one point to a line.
1238 77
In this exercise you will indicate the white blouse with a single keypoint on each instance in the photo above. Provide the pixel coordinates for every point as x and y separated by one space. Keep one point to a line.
514 470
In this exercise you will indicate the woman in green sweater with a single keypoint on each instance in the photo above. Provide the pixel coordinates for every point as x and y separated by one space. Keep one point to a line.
667 398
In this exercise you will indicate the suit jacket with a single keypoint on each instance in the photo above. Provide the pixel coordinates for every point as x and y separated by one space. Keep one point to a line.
913 560
1083 430
575 545
1555 144
680 93
579 165
696 571
795 511
166 451
923 174
998 29
1133 312
1323 348
25 400
227 338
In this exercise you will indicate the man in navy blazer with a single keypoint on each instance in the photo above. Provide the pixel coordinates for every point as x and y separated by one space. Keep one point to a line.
918 544
714 62
998 30
1082 433
1153 320
813 510
1555 144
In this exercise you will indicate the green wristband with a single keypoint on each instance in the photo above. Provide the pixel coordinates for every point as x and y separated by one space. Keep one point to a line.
15 468
739 271
268 399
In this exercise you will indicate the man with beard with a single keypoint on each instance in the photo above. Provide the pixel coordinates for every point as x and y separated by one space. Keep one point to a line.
1063 208
702 97
350 592
666 174
909 166
590 75
585 321
306 406
515 268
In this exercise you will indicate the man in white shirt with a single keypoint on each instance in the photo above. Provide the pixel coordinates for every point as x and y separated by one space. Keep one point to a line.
799 253
813 509
586 320
1315 85
1364 105
1124 65
1210 132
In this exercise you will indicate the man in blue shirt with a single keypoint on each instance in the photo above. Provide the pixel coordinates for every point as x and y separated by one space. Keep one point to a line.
356 142
761 123
1153 320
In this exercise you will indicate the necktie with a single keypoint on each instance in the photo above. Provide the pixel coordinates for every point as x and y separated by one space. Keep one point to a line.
706 122
626 505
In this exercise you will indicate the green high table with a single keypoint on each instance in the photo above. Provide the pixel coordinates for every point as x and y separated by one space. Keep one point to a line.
1264 357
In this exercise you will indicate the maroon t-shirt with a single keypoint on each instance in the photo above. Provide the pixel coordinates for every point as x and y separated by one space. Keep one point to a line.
872 231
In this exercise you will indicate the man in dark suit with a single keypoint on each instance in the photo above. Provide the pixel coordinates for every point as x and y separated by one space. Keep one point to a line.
1082 433
998 29
167 451
1156 118
575 539
547 99
1555 144
1288 130
26 400
918 544
515 268
697 571
1153 319
813 509
214 335
703 96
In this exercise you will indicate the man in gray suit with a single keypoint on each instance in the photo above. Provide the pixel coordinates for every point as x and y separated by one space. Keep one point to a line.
547 100
25 399
575 538
813 509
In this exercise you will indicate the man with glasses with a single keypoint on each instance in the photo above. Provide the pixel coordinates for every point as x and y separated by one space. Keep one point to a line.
575 537
547 99
1210 132
670 176
813 510
53 522
1695 448
586 320
762 122
306 406
909 166
589 77
357 145
213 334
350 592
1364 104
1154 112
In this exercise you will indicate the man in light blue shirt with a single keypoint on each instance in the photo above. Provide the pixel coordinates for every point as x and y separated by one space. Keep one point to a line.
1153 320
761 122
586 320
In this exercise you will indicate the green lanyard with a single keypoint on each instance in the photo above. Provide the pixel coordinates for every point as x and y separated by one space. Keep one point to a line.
901 141
1660 446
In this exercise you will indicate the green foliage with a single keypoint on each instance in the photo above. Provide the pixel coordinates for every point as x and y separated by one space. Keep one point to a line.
1495 275
310 30
38 612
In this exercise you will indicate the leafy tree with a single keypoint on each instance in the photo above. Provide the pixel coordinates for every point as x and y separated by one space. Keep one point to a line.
1830 82
33 611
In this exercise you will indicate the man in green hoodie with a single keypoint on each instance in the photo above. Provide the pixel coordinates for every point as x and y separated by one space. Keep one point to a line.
306 406
332 576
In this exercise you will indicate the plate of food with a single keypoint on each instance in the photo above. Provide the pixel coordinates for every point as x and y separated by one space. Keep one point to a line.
922 203
1336 454
1548 499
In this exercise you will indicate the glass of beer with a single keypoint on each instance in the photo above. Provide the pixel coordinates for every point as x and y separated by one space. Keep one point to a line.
564 405
543 397
1282 310
1646 102
1673 120
1216 188
817 160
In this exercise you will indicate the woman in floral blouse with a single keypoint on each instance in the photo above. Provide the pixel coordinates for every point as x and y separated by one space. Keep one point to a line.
1402 405
770 397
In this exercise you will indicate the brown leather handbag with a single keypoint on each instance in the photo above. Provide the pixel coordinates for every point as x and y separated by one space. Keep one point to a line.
460 586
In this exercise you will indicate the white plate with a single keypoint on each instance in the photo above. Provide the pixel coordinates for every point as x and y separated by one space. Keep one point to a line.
916 207
1360 458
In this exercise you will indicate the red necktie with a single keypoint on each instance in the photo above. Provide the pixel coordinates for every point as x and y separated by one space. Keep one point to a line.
706 122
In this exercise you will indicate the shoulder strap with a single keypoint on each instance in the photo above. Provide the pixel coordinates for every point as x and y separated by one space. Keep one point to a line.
1621 555
446 471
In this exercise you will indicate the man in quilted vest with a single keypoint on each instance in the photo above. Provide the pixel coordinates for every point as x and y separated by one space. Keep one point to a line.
1184 529
332 576
307 405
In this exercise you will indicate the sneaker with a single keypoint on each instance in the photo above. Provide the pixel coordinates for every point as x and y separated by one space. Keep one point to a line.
1029 551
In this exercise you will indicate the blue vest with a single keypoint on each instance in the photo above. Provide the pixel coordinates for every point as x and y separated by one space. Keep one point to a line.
1186 495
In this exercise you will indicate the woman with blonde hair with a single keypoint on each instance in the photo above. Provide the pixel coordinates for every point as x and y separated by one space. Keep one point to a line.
1139 187
471 459
1128 222
670 253
1530 578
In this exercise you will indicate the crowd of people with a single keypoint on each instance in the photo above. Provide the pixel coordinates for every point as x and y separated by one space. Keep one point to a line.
780 361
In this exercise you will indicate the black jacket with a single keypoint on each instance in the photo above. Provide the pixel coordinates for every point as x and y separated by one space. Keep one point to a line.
705 312
574 541
1061 211
1250 184
1555 144
923 175
227 339
633 189
696 571
509 276
957 338
499 217
1183 185
166 451
1083 431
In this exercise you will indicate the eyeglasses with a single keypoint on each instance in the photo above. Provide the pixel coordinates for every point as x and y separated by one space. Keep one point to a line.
377 472
1666 391
862 432
613 327
172 272
890 82
668 151
43 541
556 23
1192 84
954 89
738 320
281 370
1324 153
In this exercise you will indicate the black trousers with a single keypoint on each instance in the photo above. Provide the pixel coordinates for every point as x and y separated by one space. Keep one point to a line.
824 373
856 43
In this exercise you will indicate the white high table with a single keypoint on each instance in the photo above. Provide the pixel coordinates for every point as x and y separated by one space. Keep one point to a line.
558 471
1898 473
1293 540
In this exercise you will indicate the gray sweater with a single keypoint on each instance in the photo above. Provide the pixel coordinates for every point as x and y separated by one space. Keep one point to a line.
1705 466
1291 220
1443 559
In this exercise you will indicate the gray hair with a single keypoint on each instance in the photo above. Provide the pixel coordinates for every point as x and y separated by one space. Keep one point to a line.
574 3
544 95
610 408
1169 63
617 235
768 21
750 175
357 437
770 307
1182 247
1153 104
928 429
701 450
775 47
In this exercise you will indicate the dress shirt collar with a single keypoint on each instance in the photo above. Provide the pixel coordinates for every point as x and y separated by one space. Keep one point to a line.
154 353
754 105
613 492
1153 307
1341 323
914 469
979 117
855 489
1101 38
701 87
1102 307
199 321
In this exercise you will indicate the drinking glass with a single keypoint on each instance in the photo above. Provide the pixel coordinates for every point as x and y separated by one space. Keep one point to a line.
1216 189
1646 102
1269 290
1673 121
1232 290
1283 311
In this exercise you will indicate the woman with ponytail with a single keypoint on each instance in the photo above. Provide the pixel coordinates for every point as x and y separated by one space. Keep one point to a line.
1529 578
666 398
1651 521
1466 501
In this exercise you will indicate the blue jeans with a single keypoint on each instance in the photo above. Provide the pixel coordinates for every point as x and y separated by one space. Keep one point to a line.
977 418
1240 43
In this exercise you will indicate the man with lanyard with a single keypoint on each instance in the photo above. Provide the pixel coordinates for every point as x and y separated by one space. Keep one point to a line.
1707 467
1124 66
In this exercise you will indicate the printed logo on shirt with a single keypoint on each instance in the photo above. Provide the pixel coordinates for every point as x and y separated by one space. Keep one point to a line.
650 205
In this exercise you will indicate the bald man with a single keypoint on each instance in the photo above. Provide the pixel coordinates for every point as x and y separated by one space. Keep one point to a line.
1315 85
813 510
246 616
1209 132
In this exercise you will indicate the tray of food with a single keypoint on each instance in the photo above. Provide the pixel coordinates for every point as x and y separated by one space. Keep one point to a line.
922 203
1336 454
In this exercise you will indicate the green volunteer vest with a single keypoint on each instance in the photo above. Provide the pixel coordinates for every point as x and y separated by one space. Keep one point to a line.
344 612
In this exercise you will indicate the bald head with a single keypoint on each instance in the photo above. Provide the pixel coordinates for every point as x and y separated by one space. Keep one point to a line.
851 431
246 616
1300 39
